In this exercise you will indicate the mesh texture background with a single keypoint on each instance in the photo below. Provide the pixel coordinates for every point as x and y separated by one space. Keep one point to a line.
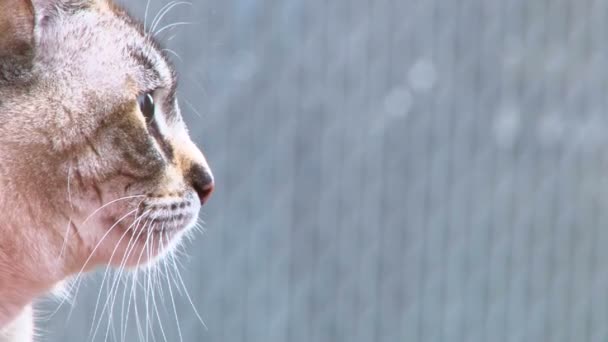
389 170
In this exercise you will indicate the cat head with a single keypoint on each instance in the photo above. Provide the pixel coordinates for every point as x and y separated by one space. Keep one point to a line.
92 141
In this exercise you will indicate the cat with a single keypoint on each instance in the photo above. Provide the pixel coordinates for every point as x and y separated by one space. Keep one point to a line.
96 164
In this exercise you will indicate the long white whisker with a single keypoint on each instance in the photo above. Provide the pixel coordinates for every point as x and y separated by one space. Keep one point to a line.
158 270
160 11
179 329
174 54
147 289
103 238
146 14
123 332
136 222
103 282
168 26
160 324
113 288
110 203
122 269
133 296
171 258
150 282
67 229
181 280
193 108
139 328
164 11
140 333
153 274
78 279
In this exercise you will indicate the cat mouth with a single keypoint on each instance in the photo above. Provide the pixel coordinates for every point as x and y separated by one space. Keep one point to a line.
166 224
170 224
150 229
167 215
159 222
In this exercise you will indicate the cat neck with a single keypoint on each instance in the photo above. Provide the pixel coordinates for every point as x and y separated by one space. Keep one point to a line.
29 270
31 257
19 329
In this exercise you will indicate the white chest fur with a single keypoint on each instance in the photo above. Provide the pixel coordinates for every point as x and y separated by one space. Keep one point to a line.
20 330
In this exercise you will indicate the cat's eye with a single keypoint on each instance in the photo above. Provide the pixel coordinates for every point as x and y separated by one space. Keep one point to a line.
146 105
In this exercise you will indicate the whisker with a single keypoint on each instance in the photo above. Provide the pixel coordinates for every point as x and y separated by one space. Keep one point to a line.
193 108
78 279
131 239
123 266
161 11
165 10
181 280
160 324
147 290
67 229
146 14
111 298
140 333
110 203
168 26
125 290
174 54
179 329
158 273
152 274
133 297
171 258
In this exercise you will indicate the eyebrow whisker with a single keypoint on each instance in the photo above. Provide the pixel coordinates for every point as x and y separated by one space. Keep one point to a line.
180 23
174 54
165 10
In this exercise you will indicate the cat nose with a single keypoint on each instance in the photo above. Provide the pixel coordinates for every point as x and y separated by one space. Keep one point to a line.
202 182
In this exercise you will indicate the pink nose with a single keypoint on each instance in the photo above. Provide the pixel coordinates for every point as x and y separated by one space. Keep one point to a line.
205 192
202 182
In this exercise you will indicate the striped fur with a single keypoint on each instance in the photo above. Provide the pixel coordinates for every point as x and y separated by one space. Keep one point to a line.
79 167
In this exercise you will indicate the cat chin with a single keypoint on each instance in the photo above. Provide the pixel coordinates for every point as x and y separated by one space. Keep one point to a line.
166 250
133 244
20 329
145 251
133 230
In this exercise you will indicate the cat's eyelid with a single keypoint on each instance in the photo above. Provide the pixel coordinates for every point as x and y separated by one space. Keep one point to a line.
159 74
152 74
159 86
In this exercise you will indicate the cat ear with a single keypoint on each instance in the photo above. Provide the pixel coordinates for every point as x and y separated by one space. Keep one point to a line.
17 23
16 28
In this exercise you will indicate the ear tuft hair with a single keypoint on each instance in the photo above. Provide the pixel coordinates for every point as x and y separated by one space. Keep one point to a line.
58 7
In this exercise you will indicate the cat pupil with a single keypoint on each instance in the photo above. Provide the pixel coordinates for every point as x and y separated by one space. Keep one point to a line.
146 105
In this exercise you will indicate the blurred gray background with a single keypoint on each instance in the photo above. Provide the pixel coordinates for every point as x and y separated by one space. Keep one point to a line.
388 170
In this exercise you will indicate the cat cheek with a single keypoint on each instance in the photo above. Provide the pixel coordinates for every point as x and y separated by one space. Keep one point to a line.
147 165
